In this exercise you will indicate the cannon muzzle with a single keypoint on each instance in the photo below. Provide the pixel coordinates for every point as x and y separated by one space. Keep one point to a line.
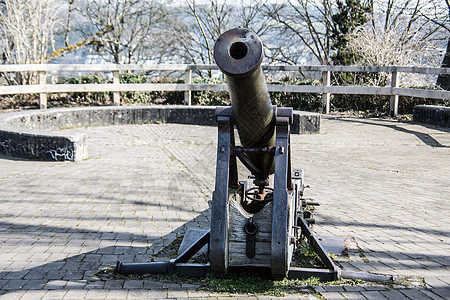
239 53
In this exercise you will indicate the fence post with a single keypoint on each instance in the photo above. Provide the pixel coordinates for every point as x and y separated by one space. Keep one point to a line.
393 105
326 81
42 95
116 81
187 80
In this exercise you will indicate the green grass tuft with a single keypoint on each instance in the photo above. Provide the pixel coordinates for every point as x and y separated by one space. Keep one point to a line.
253 284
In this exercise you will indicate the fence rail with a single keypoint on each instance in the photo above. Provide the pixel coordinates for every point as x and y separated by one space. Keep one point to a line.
326 89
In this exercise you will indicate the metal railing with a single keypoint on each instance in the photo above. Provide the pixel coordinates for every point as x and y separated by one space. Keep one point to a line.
326 89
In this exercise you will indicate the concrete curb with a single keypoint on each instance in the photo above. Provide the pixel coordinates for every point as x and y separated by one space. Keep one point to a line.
431 114
29 134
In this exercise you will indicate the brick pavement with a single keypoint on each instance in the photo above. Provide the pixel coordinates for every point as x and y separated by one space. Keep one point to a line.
383 185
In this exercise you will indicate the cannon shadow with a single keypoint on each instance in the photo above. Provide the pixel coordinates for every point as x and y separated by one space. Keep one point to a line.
424 137
78 272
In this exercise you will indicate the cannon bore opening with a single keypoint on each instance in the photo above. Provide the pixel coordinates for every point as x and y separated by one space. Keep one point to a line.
238 50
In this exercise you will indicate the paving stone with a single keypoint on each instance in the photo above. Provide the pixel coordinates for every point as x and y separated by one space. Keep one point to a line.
354 288
157 293
75 294
54 294
413 293
374 295
55 284
3 282
394 295
16 275
117 294
431 295
14 284
35 284
114 284
332 295
14 295
442 292
35 294
133 284
373 287
97 284
95 294
352 295
333 288
378 181
318 289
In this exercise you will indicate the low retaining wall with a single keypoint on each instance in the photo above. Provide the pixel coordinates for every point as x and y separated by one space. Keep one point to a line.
430 114
29 133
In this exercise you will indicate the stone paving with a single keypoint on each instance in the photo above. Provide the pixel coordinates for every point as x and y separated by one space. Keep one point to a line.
384 186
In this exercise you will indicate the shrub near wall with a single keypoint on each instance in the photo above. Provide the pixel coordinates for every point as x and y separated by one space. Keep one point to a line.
298 101
127 98
376 104
379 104
372 104
83 99
210 98
304 101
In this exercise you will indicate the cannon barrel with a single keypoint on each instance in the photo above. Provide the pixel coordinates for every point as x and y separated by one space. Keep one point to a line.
239 53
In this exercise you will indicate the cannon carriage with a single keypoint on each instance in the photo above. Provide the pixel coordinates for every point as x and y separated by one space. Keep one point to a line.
252 224
256 223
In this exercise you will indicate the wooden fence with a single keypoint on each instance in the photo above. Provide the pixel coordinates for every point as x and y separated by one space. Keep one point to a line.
326 89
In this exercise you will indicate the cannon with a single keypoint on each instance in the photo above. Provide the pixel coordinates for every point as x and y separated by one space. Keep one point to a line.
252 224
255 223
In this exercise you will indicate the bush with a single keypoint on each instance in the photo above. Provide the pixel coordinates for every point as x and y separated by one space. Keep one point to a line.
378 104
298 101
148 98
85 99
133 97
210 98
167 98
369 104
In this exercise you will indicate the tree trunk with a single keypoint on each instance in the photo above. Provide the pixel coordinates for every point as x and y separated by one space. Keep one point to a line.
444 80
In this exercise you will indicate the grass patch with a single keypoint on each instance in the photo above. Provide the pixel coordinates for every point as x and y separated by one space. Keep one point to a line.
234 283
254 284
306 257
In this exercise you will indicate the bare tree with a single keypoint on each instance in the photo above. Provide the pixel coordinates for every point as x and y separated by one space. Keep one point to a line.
401 32
135 27
28 30
202 23
409 18
68 24
304 27
27 33
249 15
385 47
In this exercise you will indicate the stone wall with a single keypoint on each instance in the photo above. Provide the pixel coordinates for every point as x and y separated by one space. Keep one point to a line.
33 134
430 114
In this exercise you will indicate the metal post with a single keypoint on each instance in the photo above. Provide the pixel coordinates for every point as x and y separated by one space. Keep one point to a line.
326 78
393 106
42 95
187 80
116 81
